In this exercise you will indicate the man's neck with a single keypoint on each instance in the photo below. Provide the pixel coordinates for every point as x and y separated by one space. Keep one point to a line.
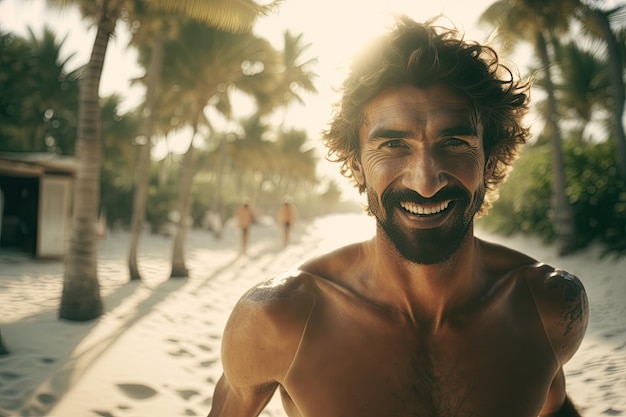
425 293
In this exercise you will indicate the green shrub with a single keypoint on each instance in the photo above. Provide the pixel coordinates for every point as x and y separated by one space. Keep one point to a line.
594 190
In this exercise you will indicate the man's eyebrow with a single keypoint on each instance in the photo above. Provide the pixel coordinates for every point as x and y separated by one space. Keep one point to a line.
461 130
386 133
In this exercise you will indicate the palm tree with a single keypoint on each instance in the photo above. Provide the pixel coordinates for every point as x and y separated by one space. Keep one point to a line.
584 86
116 178
15 83
39 94
281 89
151 33
540 22
233 16
298 163
201 69
254 156
80 298
297 74
597 22
50 108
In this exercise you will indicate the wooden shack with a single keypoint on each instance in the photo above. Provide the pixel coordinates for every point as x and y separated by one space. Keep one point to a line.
35 203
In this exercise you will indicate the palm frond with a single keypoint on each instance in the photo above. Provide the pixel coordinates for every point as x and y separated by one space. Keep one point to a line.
227 15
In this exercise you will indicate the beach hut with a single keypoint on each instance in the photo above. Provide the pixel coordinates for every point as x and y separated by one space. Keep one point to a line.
35 203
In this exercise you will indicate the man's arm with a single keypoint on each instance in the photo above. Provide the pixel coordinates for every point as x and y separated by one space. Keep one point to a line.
567 410
259 343
229 401
558 404
246 385
564 308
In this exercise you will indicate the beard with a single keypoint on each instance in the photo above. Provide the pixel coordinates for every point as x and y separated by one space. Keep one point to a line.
426 246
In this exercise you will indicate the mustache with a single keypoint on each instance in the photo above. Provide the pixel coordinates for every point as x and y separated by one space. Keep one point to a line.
393 197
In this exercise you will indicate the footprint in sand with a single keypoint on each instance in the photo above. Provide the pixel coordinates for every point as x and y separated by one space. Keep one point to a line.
207 364
575 372
10 376
46 398
181 352
103 413
11 392
187 393
612 412
137 391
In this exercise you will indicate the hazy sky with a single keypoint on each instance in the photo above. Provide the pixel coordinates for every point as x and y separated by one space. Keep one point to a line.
335 29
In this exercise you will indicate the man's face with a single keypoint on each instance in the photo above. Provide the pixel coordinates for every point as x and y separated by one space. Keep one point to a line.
422 162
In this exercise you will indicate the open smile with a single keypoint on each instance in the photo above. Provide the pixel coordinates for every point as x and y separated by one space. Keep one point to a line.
425 209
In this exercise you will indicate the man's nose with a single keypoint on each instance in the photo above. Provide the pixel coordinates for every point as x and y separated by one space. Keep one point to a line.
424 175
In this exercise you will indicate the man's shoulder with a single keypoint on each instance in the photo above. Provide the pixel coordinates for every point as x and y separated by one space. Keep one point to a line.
554 290
279 305
264 329
285 290
553 286
504 260
547 277
562 302
559 295
289 297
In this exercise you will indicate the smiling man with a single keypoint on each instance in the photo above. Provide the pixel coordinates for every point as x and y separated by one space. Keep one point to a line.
424 319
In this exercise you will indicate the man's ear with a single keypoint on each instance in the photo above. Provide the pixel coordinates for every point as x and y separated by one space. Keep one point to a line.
357 171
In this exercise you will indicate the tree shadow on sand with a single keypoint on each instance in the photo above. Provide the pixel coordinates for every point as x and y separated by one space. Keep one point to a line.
43 367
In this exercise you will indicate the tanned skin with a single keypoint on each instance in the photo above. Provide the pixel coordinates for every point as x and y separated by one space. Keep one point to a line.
364 331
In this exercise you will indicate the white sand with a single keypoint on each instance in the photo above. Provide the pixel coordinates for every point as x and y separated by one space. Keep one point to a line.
155 351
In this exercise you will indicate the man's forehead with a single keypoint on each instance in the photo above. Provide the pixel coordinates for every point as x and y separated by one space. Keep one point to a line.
419 103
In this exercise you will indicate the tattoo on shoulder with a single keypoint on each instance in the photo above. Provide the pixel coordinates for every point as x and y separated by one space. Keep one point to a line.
574 300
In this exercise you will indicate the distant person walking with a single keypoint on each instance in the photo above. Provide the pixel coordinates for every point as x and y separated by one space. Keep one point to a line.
244 217
286 216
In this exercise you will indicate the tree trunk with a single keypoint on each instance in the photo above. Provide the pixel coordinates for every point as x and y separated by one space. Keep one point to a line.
3 349
142 175
216 206
80 299
179 270
618 88
562 212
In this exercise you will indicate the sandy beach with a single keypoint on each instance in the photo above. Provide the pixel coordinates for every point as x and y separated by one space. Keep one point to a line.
156 350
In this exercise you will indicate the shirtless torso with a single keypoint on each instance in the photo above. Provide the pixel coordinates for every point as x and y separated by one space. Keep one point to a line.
322 337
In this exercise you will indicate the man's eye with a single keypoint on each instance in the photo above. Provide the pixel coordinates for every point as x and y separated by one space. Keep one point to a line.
455 142
393 143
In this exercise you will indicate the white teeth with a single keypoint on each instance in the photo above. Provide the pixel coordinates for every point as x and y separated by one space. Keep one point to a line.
425 209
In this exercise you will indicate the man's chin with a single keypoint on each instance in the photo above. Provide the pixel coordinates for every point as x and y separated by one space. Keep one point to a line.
426 247
422 255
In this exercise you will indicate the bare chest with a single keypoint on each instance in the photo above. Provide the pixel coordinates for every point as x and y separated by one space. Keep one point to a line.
494 365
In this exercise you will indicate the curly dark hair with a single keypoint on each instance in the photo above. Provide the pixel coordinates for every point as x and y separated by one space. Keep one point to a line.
424 54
